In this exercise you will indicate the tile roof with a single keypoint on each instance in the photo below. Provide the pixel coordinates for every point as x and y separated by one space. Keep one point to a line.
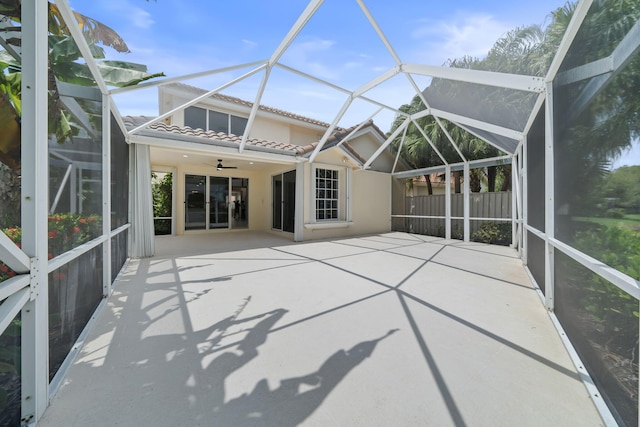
212 136
238 101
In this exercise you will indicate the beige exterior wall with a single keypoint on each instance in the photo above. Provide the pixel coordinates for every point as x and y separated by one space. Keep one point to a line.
270 130
366 145
267 126
305 136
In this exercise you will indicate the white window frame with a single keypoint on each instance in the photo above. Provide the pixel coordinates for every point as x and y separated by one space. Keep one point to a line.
343 194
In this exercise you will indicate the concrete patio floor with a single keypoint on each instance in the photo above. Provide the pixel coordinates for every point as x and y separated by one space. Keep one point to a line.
248 329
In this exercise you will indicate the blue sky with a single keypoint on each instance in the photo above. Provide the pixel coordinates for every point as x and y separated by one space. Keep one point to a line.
338 45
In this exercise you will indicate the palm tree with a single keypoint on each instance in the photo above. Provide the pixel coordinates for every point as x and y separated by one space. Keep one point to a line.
525 50
63 67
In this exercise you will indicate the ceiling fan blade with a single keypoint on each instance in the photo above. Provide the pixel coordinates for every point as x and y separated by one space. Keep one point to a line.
220 166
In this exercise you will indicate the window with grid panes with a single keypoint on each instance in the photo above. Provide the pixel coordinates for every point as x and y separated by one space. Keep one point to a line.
327 194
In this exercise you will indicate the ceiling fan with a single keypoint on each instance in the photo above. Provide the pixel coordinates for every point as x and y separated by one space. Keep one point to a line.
220 167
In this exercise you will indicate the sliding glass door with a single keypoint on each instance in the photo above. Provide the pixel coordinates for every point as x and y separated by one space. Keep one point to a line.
195 206
218 202
215 202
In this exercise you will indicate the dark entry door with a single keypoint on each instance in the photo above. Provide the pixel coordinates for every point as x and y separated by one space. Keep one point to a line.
284 201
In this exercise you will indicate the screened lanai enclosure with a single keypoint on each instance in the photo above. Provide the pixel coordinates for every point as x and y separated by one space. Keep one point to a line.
532 144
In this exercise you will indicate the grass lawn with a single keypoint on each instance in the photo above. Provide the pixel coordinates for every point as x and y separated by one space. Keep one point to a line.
631 222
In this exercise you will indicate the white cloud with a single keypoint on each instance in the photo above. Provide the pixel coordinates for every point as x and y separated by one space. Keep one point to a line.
466 34
308 56
140 18
352 65
249 43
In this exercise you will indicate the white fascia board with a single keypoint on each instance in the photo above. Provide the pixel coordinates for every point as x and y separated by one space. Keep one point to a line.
489 78
498 130
13 256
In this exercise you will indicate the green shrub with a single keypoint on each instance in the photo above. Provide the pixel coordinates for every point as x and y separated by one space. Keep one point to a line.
493 233
615 213
618 247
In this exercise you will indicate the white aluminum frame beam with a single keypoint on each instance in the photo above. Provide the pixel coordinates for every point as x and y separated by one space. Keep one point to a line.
473 164
74 28
378 30
395 162
168 80
302 20
13 256
429 141
339 89
572 30
254 108
447 203
467 203
488 78
549 184
498 130
623 53
360 126
388 142
34 142
331 128
195 100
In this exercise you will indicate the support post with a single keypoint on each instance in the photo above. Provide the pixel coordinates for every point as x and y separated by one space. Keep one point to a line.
35 184
549 192
447 203
467 201
515 194
525 202
106 194
298 227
